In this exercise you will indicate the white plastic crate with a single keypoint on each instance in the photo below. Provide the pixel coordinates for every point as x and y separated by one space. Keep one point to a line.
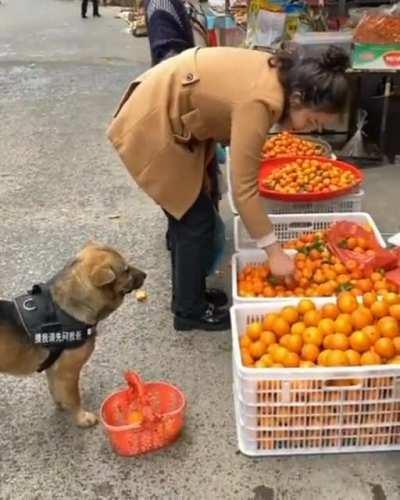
352 202
288 227
319 410
241 259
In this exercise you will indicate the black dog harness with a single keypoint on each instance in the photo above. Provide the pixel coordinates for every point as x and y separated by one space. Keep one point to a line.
47 325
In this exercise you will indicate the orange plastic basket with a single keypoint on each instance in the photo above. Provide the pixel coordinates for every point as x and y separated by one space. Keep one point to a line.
161 408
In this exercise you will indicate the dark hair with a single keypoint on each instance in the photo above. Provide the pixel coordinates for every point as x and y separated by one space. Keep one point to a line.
318 82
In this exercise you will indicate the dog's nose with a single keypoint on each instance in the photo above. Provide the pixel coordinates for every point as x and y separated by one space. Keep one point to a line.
143 275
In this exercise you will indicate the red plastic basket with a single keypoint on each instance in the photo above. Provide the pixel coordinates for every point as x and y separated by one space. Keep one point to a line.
163 409
269 166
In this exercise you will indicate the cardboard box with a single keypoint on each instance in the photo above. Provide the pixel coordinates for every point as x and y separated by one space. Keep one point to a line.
375 56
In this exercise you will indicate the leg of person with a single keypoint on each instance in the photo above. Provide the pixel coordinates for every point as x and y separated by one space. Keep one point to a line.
96 8
191 243
84 8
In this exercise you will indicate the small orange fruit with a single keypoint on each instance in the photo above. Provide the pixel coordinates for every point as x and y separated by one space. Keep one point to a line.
396 343
290 314
284 340
312 335
135 418
268 338
297 328
280 327
369 298
343 324
254 330
326 326
306 364
336 358
291 360
360 341
361 317
385 348
266 360
353 357
322 358
379 309
271 348
279 354
346 302
391 298
388 327
312 318
295 343
257 349
245 341
394 311
338 341
305 305
330 311
373 333
394 361
370 358
310 352
247 360
269 321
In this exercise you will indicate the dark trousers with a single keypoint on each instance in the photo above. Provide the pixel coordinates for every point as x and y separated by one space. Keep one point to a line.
85 5
191 240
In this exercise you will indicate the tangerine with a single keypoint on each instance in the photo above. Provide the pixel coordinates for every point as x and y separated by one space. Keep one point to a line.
330 311
295 343
388 327
373 333
269 321
254 330
297 328
369 298
360 341
394 311
268 338
346 302
312 318
336 358
290 314
379 309
370 358
385 348
291 360
245 341
280 327
310 352
312 335
279 354
353 357
257 349
305 305
361 317
396 343
326 326
343 324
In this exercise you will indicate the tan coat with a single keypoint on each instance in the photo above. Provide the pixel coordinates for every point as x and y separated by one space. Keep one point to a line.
170 117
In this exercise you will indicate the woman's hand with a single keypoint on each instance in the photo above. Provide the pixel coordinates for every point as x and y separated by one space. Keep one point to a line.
281 265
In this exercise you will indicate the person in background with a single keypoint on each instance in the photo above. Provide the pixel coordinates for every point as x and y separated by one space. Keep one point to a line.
95 8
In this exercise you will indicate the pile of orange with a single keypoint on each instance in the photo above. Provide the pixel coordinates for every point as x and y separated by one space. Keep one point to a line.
358 245
286 144
349 332
318 273
309 176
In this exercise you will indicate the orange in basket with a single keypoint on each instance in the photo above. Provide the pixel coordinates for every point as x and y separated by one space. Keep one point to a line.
144 416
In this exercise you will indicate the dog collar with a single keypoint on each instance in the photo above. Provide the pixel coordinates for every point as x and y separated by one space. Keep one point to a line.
47 325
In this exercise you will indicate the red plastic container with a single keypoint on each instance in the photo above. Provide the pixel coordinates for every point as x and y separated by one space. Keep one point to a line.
269 166
162 410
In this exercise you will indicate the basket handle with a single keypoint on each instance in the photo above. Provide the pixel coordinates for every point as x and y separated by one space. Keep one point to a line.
136 384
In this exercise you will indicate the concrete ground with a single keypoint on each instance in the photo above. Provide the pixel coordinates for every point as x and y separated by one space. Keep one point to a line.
62 184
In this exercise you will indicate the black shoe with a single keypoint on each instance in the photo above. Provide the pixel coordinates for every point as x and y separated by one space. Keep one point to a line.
96 15
213 296
84 16
211 320
216 297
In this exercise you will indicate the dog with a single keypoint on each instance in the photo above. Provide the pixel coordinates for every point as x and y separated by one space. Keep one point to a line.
53 327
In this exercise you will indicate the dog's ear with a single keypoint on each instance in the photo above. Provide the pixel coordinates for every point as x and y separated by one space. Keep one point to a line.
102 275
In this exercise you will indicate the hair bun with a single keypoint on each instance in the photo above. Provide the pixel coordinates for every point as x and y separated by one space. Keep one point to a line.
335 59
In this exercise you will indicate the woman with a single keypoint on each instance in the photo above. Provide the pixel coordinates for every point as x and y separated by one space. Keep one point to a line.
165 128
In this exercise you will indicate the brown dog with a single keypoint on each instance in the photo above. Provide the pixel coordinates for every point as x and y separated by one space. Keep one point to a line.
52 328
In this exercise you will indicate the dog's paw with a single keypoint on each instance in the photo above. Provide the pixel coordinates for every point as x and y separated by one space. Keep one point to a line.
85 419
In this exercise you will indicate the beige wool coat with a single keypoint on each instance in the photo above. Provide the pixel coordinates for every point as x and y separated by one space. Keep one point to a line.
170 117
